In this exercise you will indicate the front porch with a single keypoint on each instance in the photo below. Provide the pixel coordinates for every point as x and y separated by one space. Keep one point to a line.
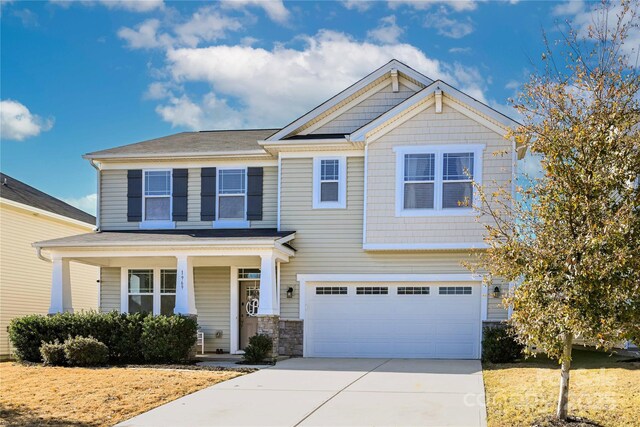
231 284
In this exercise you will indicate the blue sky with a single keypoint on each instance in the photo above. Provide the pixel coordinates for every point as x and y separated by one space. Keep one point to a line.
77 77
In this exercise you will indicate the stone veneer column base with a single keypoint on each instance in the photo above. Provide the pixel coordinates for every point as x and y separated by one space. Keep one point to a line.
268 325
291 334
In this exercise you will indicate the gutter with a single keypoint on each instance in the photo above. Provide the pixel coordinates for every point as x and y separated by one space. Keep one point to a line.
39 255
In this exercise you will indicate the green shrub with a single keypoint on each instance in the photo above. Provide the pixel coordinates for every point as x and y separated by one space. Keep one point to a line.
499 345
121 333
258 349
168 339
53 353
85 351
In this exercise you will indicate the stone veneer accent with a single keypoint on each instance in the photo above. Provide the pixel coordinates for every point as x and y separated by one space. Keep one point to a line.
290 340
268 325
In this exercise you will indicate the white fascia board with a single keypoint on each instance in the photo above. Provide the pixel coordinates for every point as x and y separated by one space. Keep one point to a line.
186 164
316 153
422 246
394 64
189 155
42 212
307 278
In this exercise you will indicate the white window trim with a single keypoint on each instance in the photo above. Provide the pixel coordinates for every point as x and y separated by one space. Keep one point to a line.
157 224
438 151
342 183
124 287
235 223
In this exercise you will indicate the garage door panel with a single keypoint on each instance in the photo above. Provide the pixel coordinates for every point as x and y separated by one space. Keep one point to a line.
393 324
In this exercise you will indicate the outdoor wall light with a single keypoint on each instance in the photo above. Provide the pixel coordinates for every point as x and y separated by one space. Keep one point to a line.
496 292
290 292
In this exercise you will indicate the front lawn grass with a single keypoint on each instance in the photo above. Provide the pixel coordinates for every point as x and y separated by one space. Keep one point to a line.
37 395
602 388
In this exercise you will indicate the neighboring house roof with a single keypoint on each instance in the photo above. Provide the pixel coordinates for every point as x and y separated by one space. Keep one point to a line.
18 191
160 237
186 144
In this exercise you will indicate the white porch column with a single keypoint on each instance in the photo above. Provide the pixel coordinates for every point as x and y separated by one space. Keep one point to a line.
60 286
185 291
268 291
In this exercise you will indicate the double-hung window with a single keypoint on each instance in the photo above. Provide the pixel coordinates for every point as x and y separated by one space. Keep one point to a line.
329 182
437 179
232 195
157 195
150 291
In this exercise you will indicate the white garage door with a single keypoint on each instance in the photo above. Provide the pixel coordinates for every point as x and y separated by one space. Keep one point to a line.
392 320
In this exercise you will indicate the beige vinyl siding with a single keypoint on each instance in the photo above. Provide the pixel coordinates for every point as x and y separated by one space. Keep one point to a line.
25 280
495 308
113 203
212 302
110 289
370 108
427 127
330 240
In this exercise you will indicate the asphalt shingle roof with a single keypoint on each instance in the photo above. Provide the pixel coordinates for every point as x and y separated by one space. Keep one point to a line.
192 143
18 191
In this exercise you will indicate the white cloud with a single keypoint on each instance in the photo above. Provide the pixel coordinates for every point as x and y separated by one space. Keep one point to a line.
570 7
460 50
512 85
140 6
145 35
387 32
206 25
359 5
86 203
17 123
274 9
253 87
457 5
447 26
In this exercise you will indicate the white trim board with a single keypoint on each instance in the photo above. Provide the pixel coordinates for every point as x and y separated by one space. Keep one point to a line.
48 214
422 246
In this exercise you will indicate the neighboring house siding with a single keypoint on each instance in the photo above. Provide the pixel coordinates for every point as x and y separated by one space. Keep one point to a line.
330 240
25 280
361 114
113 203
109 289
448 127
212 302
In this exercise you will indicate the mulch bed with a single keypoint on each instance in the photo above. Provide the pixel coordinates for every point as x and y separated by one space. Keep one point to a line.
570 421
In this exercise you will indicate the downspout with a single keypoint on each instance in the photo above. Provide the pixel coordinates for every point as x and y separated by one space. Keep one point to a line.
39 254
98 195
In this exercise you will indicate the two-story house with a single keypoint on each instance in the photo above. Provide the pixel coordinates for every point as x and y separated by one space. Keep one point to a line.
341 234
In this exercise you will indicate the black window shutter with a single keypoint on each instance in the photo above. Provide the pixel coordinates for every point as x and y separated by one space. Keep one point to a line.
254 194
134 195
208 194
180 183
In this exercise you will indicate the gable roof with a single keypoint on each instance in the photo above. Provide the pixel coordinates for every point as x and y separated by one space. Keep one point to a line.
495 119
394 64
18 191
190 144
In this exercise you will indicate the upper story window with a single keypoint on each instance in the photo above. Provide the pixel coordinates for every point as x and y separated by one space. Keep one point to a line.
232 195
157 195
329 182
437 179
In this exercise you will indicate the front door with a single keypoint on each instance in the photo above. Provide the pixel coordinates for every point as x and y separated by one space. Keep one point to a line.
249 300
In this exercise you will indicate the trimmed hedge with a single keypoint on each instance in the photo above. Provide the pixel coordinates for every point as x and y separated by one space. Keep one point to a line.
164 339
85 351
121 333
53 353
499 345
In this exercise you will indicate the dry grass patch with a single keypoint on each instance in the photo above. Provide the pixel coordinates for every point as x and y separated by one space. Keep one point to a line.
602 388
37 395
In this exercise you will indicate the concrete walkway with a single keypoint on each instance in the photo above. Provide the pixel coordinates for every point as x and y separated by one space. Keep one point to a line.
336 392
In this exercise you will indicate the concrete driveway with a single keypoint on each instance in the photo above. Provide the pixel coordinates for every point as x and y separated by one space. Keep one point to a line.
336 392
